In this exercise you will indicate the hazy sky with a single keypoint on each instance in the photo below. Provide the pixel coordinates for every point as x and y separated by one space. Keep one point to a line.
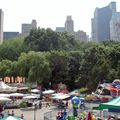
50 13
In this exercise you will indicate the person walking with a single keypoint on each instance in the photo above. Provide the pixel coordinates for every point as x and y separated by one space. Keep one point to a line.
47 104
66 105
40 105
47 101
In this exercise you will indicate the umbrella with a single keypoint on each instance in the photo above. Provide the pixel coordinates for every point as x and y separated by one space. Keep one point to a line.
11 118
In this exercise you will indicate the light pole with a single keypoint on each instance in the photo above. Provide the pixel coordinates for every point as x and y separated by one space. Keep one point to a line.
34 111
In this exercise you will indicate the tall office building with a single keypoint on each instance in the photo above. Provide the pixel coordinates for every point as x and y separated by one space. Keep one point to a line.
69 24
112 6
1 25
27 27
115 26
10 35
101 22
93 33
60 29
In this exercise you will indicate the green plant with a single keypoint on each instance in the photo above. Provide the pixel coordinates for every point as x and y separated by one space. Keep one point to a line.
23 104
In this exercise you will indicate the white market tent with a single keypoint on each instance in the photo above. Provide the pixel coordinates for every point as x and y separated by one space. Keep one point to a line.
22 88
74 93
35 91
16 95
4 95
4 99
38 95
5 88
48 92
30 97
60 96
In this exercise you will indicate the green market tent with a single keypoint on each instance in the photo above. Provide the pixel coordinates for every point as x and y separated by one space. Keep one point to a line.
11 118
113 104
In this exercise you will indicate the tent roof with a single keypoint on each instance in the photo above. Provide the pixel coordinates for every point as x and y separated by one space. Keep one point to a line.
4 87
115 104
60 96
11 118
35 90
48 92
16 95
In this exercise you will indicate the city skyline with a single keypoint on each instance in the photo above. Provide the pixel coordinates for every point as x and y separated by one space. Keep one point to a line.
50 14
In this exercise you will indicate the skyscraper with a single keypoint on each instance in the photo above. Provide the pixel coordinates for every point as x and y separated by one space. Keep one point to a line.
60 29
93 33
101 22
27 27
115 26
1 25
69 24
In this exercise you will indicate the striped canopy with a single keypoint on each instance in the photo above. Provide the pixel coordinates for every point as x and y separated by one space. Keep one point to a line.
114 104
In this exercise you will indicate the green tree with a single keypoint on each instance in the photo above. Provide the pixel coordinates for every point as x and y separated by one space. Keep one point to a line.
59 67
42 40
74 61
5 68
11 49
39 67
47 40
94 66
34 66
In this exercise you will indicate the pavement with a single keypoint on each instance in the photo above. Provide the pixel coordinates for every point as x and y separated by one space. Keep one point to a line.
48 112
38 114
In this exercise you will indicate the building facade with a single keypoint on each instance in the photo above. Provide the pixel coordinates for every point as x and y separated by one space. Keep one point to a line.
115 27
81 36
69 24
1 26
27 27
60 29
10 35
101 22
69 28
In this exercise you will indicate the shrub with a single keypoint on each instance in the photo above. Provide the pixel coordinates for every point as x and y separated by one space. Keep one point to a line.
23 104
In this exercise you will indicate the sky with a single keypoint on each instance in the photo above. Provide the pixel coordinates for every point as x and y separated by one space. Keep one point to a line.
50 13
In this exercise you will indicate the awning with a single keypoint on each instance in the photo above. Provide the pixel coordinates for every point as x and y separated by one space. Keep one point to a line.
115 104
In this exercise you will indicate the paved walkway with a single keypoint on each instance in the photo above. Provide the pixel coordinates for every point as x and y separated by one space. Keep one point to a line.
39 113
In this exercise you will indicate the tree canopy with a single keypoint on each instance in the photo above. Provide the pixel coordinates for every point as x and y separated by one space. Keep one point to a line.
47 40
46 56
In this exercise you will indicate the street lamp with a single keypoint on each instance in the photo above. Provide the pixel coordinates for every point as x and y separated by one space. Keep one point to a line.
34 111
